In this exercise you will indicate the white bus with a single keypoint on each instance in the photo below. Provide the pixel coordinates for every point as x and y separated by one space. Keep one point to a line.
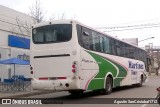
67 55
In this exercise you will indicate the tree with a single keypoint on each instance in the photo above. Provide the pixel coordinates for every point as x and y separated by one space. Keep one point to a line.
37 12
59 16
20 27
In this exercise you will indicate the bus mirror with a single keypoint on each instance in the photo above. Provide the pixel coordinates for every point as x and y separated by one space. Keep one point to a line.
85 33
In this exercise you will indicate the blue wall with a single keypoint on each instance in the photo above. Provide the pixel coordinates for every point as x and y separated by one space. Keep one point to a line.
19 42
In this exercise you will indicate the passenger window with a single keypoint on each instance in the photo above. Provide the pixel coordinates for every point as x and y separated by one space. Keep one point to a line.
105 45
96 41
86 38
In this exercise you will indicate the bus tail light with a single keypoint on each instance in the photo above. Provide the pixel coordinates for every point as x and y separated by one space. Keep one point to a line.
73 70
74 67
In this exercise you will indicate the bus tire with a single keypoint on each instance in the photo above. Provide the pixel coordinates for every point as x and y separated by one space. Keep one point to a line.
108 86
141 81
158 99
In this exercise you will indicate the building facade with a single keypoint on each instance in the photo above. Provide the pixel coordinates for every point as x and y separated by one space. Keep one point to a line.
15 31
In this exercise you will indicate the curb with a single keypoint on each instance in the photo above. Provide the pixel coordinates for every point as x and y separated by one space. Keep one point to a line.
27 94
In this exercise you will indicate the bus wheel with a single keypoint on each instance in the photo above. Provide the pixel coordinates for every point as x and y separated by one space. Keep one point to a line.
158 100
141 82
108 86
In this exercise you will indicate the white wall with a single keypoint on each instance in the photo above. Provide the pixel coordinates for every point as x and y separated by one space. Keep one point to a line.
4 69
4 38
9 26
9 19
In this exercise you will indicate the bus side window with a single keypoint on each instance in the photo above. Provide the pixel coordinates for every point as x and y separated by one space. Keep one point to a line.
123 50
113 46
96 41
86 38
118 48
105 45
126 46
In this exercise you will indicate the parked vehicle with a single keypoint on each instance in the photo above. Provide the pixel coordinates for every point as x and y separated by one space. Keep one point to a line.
158 95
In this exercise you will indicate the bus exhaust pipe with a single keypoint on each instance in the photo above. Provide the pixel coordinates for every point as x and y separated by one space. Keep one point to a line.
67 85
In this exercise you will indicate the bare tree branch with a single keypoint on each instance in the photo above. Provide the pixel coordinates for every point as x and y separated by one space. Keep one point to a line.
59 16
37 12
21 28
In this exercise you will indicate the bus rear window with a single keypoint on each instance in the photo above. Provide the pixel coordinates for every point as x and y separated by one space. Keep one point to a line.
52 33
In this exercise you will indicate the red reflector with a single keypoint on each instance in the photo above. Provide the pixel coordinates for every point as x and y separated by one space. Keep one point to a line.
43 78
73 66
73 70
61 78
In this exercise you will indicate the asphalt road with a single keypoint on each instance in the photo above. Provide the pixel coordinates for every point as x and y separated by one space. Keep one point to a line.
148 90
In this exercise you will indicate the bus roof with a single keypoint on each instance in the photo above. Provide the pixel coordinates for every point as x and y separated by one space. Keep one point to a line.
77 22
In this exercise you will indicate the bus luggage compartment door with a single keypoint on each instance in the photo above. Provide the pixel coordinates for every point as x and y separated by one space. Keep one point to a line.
53 66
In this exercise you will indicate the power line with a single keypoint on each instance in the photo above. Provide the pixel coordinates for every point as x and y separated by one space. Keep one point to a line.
141 25
130 27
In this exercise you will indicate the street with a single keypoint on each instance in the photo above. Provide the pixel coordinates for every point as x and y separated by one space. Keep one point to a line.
148 90
94 99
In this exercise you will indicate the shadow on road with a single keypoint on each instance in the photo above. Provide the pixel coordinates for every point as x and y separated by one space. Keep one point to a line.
93 93
86 98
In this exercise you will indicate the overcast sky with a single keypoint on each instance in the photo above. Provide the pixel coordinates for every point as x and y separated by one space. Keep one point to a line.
105 13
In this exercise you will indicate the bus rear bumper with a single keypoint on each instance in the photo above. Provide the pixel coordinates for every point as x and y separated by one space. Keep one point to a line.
55 85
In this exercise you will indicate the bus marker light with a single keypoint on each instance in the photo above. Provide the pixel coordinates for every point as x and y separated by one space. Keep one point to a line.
61 78
31 68
73 66
73 70
31 72
43 78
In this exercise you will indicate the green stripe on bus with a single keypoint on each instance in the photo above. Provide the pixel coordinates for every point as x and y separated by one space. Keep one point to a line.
96 84
122 70
117 81
104 67
122 73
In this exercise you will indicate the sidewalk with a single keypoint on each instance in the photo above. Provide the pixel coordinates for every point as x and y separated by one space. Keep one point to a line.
22 94
152 74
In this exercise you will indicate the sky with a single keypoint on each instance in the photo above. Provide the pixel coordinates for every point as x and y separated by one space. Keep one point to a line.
123 18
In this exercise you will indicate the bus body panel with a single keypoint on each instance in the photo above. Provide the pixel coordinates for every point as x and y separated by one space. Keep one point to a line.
89 68
53 65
